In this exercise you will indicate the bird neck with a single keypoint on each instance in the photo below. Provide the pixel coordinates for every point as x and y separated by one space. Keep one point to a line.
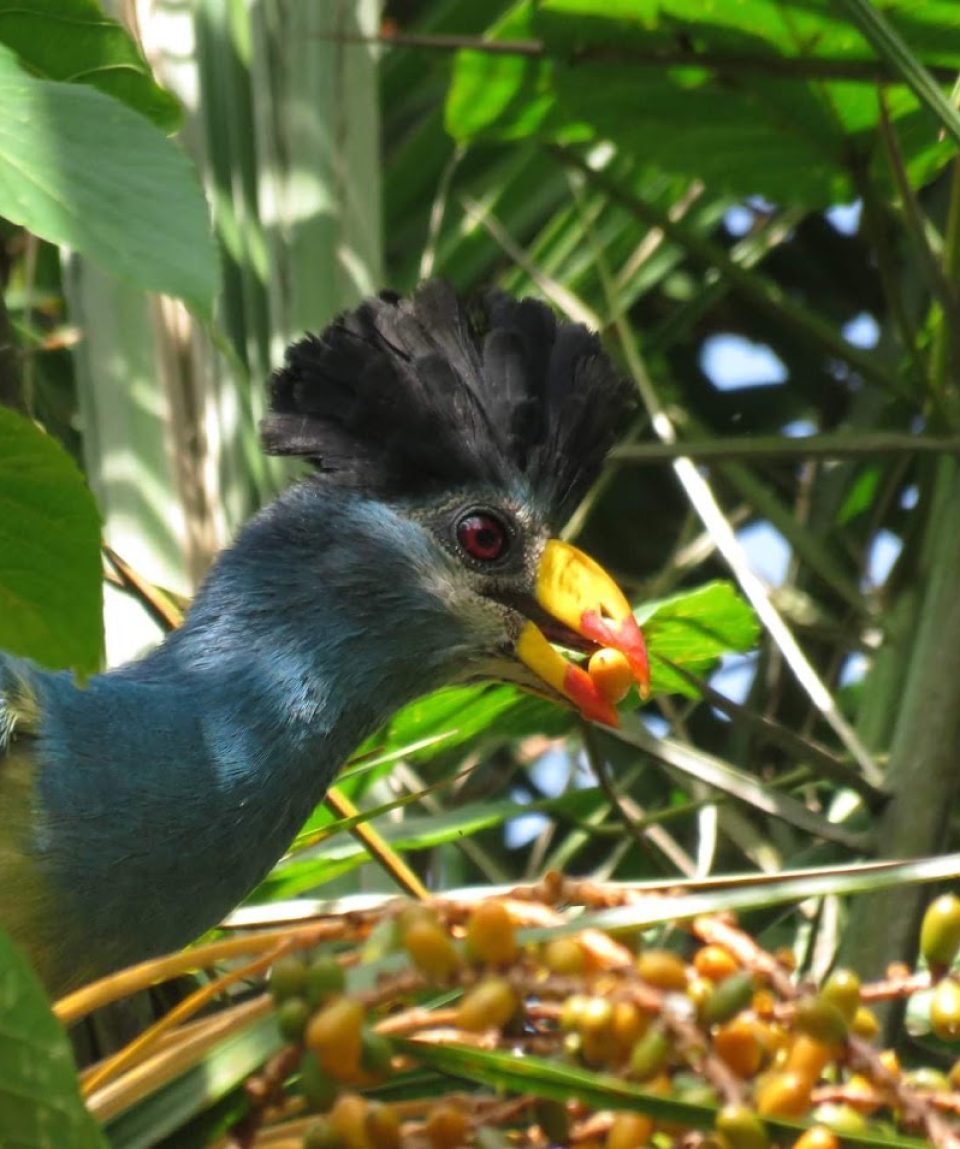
173 784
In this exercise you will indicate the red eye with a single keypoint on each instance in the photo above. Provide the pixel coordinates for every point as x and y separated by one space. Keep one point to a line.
482 536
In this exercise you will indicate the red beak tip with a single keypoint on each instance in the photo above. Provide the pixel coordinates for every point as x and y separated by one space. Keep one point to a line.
582 690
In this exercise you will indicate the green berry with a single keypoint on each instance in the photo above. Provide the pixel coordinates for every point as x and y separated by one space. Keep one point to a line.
940 933
649 1055
292 1016
318 1087
945 1010
324 979
321 1134
842 988
288 977
820 1019
742 1128
731 996
376 1052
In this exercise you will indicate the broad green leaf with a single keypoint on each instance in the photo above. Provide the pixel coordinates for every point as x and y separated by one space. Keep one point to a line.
552 1079
511 91
74 40
50 578
693 630
40 1104
161 1111
80 169
699 92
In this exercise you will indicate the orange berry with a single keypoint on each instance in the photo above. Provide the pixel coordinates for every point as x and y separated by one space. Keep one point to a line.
715 962
763 1004
446 1127
565 956
430 948
663 969
629 1131
611 674
817 1137
628 1023
382 1126
808 1056
335 1035
739 1047
489 1005
784 1095
491 936
349 1120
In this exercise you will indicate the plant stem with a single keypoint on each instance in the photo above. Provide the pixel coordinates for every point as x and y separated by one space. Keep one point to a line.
922 776
781 448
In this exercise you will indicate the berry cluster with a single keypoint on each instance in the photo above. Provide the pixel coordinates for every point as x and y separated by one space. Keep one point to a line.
716 1041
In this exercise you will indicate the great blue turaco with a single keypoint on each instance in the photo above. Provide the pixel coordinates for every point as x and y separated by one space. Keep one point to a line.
448 443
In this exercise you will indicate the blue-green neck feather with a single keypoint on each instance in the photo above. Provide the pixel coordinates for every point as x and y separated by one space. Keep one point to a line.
172 785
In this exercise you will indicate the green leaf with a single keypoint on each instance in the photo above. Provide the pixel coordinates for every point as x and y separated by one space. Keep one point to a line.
40 1104
202 1081
79 168
758 97
527 1074
73 40
542 1078
892 48
50 579
510 91
693 630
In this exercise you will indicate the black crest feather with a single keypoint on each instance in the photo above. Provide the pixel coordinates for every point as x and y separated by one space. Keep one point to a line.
405 397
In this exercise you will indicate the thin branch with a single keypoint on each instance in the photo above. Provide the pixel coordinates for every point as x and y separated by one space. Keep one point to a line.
776 448
766 296
376 845
735 63
11 390
634 820
704 502
937 283
944 340
821 760
901 62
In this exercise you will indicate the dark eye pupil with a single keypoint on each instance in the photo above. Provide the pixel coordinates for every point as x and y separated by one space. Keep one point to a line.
482 537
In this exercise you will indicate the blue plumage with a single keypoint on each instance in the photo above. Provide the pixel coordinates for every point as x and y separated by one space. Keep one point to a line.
139 809
165 790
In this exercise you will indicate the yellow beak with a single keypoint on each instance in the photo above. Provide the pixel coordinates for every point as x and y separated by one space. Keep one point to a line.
578 592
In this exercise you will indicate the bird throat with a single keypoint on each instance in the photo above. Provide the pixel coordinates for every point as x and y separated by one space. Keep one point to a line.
170 788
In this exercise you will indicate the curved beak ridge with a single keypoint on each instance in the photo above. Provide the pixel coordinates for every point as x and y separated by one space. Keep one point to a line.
578 593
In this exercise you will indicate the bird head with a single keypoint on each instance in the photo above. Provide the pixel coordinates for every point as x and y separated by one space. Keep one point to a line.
476 430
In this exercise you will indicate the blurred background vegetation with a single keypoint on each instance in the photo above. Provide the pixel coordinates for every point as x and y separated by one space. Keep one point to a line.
756 202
